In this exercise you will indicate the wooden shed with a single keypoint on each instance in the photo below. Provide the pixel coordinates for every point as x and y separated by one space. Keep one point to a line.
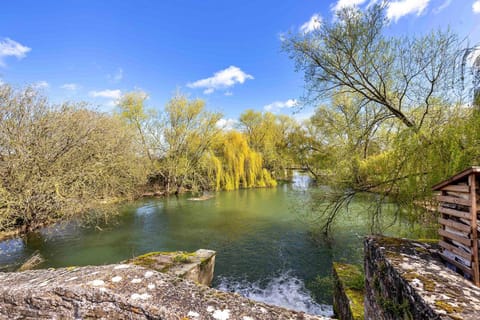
459 226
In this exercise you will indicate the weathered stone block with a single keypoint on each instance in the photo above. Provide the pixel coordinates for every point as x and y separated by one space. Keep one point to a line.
197 266
405 279
348 291
123 291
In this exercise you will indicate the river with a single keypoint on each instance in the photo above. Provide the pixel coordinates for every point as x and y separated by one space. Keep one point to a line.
264 245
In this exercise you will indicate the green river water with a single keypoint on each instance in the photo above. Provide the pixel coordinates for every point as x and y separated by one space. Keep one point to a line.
264 246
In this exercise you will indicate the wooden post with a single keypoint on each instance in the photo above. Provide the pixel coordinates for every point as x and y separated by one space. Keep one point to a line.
473 212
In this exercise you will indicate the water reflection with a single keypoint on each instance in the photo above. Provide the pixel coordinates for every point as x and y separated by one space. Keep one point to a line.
301 181
11 251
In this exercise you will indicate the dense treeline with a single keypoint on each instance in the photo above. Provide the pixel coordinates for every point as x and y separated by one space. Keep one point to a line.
57 162
188 150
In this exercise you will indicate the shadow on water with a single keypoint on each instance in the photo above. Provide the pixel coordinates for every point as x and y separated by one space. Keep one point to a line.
265 250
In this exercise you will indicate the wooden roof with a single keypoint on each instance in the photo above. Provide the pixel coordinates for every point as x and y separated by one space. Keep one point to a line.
458 176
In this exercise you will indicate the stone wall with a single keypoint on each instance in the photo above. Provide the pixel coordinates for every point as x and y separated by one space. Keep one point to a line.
407 280
124 291
348 291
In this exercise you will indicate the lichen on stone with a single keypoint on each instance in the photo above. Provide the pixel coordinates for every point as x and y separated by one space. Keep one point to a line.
449 308
409 280
97 282
428 283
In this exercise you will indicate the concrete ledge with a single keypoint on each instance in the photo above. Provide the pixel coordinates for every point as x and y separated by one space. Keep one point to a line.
406 280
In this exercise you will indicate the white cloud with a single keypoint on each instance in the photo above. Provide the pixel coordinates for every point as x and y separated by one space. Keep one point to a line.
398 9
341 4
208 91
70 86
476 6
443 6
41 85
312 24
11 48
110 94
117 76
227 124
228 93
222 79
290 103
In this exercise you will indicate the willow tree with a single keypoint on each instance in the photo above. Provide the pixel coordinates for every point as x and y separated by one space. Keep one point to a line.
353 54
186 134
406 89
268 134
237 165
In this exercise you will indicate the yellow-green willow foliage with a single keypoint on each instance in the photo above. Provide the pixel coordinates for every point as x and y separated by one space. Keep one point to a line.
238 166
270 135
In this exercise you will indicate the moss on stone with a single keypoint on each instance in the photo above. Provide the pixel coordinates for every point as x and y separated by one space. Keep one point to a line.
390 241
398 271
398 310
146 260
204 262
182 257
356 298
444 305
352 280
149 260
428 284
351 276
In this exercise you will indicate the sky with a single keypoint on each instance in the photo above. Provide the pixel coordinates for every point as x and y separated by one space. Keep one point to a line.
227 53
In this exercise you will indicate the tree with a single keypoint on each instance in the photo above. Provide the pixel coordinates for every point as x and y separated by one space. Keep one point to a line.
60 161
347 128
387 103
352 54
476 78
237 166
470 72
268 135
132 109
187 133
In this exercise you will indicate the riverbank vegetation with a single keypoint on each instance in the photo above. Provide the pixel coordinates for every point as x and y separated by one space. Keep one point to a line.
393 116
59 162
187 149
396 114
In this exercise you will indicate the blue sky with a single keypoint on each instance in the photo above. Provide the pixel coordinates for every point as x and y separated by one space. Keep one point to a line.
225 52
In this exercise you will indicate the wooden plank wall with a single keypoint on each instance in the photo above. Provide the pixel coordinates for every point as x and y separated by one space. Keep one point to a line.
459 226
